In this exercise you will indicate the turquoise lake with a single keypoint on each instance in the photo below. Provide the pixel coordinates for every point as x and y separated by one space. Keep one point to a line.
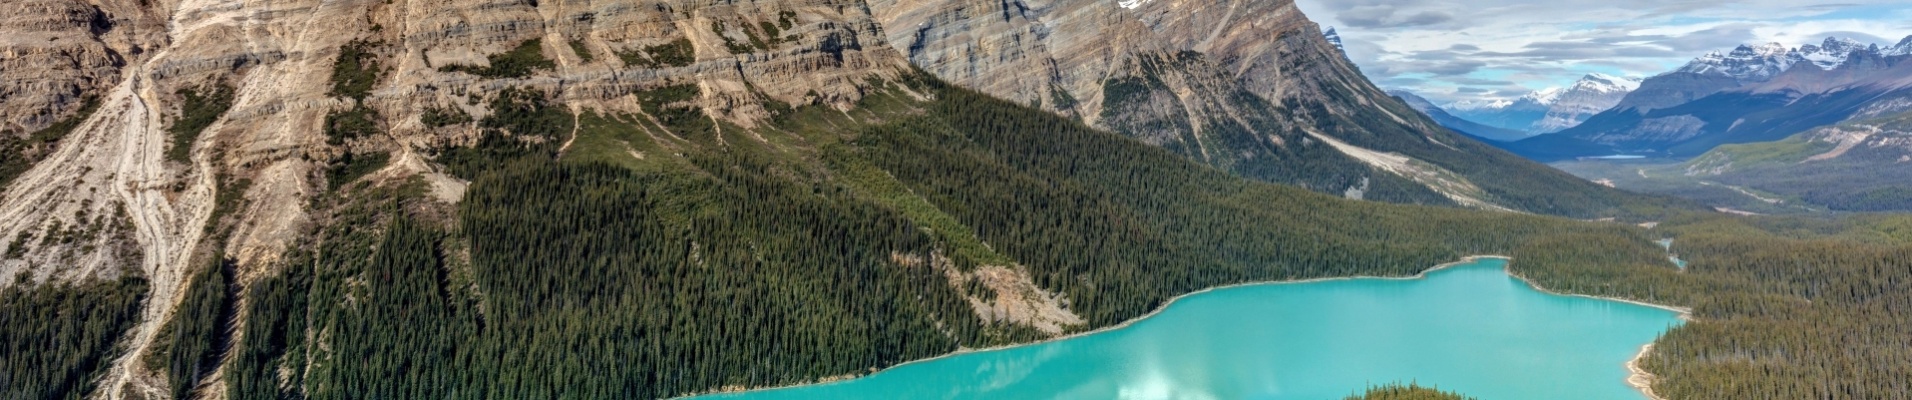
1470 328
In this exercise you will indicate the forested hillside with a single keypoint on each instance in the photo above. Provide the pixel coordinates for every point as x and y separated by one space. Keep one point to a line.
666 254
663 256
1783 307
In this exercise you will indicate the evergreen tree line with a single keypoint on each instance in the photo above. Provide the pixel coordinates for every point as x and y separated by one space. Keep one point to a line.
1411 391
56 340
1798 307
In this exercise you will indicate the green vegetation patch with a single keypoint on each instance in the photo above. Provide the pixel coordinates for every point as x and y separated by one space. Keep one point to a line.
519 62
677 53
439 117
1396 391
731 44
675 107
522 124
583 52
354 75
195 115
859 173
1788 151
352 167
357 122
357 69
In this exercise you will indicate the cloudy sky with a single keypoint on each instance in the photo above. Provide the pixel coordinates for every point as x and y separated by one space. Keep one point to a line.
1469 49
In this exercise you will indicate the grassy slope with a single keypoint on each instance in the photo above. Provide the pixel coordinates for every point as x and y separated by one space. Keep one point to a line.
1864 179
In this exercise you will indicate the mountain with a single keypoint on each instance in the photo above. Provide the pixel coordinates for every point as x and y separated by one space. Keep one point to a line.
1588 96
1903 48
1833 52
1519 114
1334 38
1548 110
1441 116
1752 94
1747 62
1718 71
1258 91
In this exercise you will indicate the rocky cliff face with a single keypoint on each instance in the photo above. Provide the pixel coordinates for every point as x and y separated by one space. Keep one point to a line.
58 53
1059 55
1242 85
204 102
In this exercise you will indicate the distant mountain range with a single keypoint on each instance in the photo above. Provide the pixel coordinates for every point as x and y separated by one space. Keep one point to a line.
1753 93
1483 132
1547 110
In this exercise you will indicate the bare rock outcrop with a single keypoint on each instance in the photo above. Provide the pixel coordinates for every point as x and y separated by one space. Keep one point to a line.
109 199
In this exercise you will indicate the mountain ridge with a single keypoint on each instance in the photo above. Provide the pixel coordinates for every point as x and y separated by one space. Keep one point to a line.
1458 124
1548 110
1250 90
1752 94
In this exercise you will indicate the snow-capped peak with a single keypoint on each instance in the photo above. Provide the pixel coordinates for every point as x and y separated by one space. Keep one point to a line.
1745 62
1550 109
1831 53
1545 97
1594 85
1481 104
1603 83
1761 62
1334 38
1903 48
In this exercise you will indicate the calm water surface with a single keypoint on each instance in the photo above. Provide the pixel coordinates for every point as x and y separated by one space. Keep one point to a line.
1470 328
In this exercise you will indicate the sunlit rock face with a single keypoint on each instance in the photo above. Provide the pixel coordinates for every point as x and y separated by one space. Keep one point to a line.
145 211
1245 86
1059 54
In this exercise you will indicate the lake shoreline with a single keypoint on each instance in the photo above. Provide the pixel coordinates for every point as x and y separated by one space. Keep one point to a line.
1637 377
1630 364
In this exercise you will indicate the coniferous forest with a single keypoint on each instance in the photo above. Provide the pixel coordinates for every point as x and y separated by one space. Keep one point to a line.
726 259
